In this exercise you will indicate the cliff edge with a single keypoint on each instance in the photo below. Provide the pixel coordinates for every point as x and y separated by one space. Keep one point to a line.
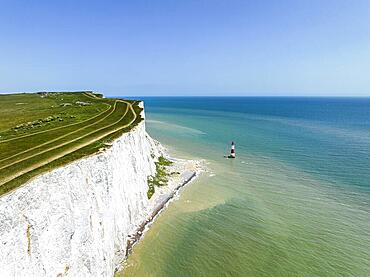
75 220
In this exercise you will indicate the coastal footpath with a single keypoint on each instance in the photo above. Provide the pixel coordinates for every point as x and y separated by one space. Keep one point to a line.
82 219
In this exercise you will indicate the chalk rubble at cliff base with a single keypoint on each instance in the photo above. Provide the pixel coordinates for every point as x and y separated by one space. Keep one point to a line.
75 220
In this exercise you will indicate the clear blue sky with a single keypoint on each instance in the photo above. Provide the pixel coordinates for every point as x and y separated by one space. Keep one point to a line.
174 47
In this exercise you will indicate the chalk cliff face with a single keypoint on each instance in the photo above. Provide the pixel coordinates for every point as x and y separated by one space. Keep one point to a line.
74 220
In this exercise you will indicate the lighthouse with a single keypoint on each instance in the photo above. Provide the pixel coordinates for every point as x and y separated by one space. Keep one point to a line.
232 153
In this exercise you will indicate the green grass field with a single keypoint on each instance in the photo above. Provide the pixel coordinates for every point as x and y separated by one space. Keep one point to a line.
41 131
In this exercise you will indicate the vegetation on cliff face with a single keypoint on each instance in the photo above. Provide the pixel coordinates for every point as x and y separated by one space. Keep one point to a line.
161 176
41 131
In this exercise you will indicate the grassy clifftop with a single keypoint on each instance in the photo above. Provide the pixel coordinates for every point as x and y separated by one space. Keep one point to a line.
41 131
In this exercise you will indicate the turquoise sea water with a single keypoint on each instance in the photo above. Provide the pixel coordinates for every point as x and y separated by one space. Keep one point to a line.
295 202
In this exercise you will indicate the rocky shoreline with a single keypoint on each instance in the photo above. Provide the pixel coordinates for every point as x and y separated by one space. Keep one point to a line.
139 232
190 170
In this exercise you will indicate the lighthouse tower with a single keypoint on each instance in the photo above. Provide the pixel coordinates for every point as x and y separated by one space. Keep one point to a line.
232 154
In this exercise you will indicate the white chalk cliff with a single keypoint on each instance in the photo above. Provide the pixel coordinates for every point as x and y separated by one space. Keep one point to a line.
75 220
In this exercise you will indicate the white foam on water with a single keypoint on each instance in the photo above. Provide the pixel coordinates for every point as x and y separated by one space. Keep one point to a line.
177 127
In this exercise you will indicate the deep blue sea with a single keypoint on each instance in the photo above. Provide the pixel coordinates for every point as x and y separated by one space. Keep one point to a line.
295 201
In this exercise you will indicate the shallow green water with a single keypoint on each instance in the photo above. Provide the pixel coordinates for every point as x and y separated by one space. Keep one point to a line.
295 202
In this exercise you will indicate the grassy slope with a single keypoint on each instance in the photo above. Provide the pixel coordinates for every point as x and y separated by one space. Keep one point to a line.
161 177
76 130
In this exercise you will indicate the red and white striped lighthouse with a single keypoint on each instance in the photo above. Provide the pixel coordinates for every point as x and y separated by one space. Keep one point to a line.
232 154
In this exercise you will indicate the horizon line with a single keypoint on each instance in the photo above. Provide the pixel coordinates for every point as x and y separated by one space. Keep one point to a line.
192 95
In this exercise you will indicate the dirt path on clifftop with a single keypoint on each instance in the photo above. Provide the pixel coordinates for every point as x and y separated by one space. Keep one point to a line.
61 127
58 138
71 149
